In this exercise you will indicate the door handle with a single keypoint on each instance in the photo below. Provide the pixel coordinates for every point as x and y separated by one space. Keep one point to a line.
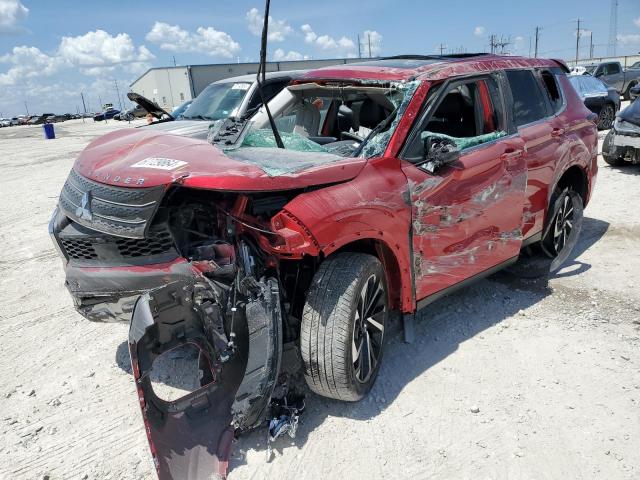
511 154
557 132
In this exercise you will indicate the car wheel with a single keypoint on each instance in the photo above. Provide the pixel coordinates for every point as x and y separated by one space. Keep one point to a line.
343 326
559 237
606 117
627 94
610 153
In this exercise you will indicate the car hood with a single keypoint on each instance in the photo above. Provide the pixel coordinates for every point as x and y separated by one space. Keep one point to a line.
631 114
141 157
186 128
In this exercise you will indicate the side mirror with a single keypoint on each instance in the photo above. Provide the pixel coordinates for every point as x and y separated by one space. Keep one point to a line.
438 152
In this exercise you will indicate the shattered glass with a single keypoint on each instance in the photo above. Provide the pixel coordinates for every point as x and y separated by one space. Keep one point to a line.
292 141
401 98
466 142
278 161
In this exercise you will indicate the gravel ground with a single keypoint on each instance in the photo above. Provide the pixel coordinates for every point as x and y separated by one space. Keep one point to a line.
507 379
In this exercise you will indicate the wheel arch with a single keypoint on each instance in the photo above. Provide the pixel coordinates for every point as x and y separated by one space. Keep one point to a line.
400 292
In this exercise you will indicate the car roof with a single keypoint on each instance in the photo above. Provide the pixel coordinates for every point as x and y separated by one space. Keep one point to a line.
427 67
251 77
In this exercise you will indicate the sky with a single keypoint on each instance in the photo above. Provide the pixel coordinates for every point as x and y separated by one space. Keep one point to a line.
51 51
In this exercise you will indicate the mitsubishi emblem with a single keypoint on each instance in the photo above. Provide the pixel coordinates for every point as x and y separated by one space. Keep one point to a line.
83 212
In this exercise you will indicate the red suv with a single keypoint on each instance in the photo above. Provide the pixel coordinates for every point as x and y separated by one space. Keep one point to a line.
401 179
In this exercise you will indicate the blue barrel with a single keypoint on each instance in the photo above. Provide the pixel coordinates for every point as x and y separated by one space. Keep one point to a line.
48 131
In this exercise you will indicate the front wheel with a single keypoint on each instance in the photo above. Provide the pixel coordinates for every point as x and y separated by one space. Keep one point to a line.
343 326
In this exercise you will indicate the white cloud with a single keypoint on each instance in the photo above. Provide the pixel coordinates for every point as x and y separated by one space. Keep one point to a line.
27 62
637 21
309 35
630 39
376 42
99 51
278 29
479 31
343 46
11 12
281 56
205 40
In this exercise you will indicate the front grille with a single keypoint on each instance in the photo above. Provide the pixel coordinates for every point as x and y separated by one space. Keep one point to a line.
79 249
120 211
131 248
112 248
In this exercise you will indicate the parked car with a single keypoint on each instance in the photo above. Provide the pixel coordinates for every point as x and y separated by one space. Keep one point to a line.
400 180
621 146
180 109
40 119
55 118
131 114
5 122
615 76
106 115
601 99
231 97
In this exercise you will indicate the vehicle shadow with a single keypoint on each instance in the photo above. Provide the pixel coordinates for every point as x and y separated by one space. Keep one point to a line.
439 331
629 169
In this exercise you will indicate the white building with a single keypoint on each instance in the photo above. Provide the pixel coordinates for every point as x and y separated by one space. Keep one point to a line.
171 86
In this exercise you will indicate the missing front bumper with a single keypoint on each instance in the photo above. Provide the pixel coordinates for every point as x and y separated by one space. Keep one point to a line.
238 336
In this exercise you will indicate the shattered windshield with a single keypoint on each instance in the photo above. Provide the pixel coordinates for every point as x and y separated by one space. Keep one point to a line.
345 120
217 101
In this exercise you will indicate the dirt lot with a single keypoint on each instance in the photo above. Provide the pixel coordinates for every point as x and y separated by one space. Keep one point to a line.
550 368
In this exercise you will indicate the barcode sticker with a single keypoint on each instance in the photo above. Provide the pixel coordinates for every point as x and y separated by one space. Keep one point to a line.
159 163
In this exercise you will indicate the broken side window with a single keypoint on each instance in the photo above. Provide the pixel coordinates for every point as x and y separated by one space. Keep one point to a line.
469 114
552 90
528 101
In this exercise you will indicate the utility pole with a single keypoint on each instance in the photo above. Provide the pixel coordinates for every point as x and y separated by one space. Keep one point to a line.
578 34
174 61
369 37
536 43
359 47
613 28
118 93
442 48
101 104
26 108
591 46
84 106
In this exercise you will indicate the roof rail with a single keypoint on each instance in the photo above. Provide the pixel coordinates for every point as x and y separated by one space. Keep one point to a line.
435 57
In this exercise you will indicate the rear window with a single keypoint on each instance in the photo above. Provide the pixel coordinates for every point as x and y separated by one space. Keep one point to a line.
528 101
552 90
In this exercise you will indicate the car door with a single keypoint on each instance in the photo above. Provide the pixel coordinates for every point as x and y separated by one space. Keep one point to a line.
466 216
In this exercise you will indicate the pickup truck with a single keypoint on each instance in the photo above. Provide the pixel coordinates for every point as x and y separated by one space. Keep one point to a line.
615 76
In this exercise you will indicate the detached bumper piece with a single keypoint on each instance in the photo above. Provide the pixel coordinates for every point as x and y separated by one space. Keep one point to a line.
236 332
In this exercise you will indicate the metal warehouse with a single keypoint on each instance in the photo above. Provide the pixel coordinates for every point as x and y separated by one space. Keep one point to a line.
171 86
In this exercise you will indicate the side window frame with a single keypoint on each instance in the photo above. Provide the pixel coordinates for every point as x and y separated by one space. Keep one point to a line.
541 90
553 72
427 111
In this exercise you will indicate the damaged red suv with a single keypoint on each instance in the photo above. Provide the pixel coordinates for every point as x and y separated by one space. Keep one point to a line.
401 179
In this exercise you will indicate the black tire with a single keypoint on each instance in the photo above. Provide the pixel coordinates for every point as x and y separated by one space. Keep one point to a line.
332 327
627 94
606 117
611 154
544 257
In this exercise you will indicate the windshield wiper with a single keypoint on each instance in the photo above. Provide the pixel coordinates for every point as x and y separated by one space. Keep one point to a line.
375 132
196 117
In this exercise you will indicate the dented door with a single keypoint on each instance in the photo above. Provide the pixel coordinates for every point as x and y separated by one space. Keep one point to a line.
467 217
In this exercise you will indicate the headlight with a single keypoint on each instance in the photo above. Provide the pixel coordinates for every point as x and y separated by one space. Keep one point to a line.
625 127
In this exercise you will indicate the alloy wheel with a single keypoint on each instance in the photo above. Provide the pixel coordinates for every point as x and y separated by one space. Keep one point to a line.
368 329
563 225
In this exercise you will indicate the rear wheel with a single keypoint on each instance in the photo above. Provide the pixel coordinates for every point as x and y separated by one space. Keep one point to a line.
627 94
606 117
343 326
559 237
